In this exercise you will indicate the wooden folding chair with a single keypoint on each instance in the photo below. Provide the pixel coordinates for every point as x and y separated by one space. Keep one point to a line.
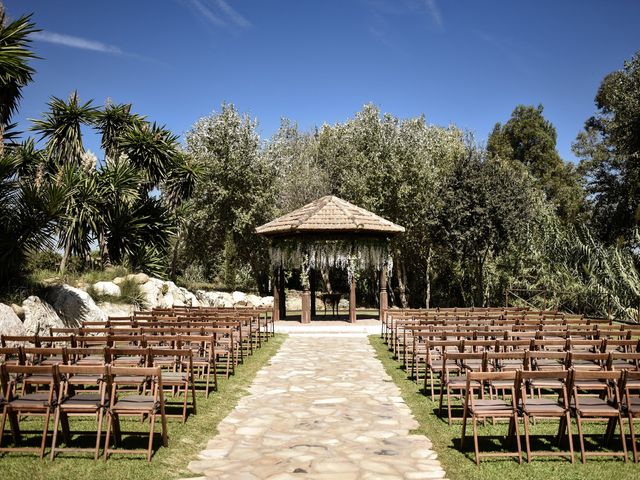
546 407
630 391
78 400
481 408
204 358
455 378
178 375
150 404
41 403
606 405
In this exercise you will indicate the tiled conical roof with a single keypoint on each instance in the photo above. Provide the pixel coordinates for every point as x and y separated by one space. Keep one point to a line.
327 215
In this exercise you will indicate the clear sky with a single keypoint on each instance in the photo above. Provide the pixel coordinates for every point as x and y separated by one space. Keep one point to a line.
467 62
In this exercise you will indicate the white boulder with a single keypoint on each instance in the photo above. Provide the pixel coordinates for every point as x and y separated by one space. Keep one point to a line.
74 305
40 317
254 300
239 299
139 278
10 323
267 302
107 288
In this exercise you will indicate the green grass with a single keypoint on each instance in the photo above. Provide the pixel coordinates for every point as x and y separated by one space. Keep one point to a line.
185 441
460 465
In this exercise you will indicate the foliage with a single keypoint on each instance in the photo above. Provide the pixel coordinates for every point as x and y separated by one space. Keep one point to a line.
234 195
530 139
609 148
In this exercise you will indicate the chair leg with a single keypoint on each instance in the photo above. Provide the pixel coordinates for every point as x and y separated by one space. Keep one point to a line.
108 437
4 422
475 440
45 431
581 437
54 440
152 422
622 438
98 433
527 441
570 436
449 405
184 407
517 434
632 433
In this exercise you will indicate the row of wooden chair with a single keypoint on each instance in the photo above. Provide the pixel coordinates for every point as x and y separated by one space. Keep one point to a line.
66 391
579 394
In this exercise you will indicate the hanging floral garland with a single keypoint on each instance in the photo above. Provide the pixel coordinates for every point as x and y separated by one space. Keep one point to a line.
312 253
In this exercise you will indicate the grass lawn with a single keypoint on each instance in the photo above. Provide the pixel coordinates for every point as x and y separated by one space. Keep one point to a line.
459 465
185 441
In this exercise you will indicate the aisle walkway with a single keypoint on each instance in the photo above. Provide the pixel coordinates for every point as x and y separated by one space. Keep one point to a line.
323 409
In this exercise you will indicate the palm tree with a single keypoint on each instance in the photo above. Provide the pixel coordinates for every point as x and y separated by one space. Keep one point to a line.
113 122
61 128
15 71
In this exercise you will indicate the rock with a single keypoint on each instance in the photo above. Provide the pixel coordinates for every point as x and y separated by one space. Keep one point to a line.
254 300
267 301
10 323
40 317
239 299
118 280
116 309
107 288
214 299
19 311
139 278
189 298
153 292
74 305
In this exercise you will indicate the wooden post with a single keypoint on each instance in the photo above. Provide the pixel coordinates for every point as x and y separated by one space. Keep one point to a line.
305 316
282 296
352 301
276 295
312 283
384 296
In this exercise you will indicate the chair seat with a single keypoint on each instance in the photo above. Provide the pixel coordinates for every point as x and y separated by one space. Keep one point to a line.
173 377
30 400
134 403
501 383
88 401
543 407
90 360
491 408
39 378
593 406
461 382
633 407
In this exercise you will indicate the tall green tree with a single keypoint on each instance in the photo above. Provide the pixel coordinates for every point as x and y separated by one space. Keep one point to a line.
15 69
235 194
527 137
609 148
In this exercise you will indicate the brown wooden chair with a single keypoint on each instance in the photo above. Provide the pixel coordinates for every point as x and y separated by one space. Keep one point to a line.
546 407
77 398
149 404
454 378
178 375
481 409
630 392
41 403
606 405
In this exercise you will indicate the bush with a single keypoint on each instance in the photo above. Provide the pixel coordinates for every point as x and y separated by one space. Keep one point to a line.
44 260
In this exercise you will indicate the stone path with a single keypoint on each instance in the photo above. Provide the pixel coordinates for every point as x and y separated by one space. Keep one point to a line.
324 408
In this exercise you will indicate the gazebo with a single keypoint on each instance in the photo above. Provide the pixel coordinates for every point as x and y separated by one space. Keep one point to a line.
328 233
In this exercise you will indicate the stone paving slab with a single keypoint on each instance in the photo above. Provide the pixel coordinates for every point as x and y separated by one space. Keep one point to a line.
324 408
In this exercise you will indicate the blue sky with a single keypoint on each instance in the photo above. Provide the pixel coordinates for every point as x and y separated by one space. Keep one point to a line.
466 62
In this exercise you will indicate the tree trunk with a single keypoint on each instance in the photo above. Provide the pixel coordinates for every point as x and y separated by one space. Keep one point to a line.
65 257
104 251
174 256
427 299
402 283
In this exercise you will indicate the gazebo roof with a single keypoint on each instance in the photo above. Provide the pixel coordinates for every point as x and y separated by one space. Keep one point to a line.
329 215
